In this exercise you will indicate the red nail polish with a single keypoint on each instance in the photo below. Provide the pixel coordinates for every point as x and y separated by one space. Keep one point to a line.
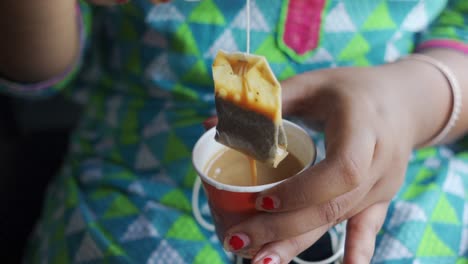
236 242
268 203
210 122
271 259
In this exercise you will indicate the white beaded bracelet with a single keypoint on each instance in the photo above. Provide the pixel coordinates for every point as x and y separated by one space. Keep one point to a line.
456 96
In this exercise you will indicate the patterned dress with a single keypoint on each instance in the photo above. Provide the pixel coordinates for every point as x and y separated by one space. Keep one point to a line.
144 79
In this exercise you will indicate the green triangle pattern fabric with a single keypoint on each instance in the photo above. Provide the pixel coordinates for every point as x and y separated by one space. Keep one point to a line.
185 228
121 206
188 46
431 246
198 15
175 149
199 74
207 255
269 48
287 73
379 18
357 46
444 212
177 200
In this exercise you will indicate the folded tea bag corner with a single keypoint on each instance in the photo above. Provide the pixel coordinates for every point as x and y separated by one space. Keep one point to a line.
248 104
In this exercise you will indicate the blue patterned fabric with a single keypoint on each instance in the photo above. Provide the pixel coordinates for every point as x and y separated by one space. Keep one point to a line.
123 194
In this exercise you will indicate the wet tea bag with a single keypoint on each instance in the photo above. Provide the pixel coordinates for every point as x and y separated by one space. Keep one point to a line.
248 104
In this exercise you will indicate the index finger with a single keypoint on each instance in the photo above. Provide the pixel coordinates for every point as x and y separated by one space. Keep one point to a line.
350 150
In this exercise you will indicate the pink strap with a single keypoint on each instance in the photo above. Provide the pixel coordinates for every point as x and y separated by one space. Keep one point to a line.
444 43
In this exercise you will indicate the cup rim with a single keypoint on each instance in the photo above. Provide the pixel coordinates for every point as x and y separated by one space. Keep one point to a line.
246 189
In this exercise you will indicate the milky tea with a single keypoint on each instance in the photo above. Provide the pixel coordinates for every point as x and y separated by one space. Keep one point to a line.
231 167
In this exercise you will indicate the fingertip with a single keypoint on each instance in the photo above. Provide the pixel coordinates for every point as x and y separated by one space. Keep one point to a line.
359 248
267 256
357 257
236 242
361 233
267 203
210 122
267 259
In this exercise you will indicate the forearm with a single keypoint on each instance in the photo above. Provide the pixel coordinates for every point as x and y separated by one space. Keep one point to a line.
428 95
40 39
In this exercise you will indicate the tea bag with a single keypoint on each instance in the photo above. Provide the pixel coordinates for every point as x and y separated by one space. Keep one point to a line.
248 104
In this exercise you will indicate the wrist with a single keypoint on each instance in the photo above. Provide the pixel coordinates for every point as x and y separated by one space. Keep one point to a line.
455 95
425 97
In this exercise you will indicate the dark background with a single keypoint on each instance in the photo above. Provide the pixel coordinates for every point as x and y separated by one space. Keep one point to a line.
33 141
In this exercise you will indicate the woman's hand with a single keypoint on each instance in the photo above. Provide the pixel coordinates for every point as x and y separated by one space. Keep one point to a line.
370 123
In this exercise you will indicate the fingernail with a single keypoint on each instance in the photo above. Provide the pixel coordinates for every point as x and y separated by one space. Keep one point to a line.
236 242
206 124
210 122
272 259
267 203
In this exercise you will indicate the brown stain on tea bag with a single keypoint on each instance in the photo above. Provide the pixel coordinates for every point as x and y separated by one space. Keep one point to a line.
245 88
